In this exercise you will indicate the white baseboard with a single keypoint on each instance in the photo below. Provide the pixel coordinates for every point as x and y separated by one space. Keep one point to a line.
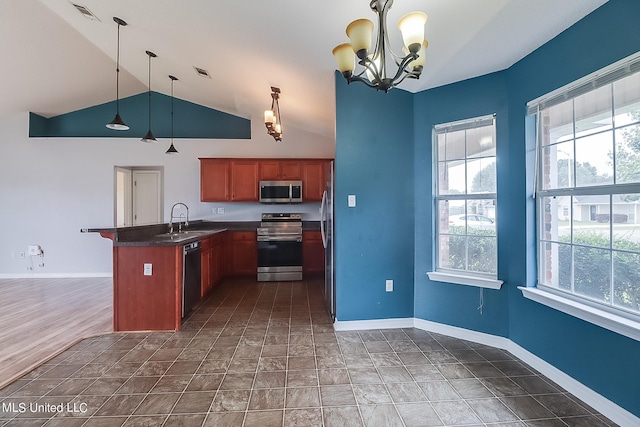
51 275
609 409
362 325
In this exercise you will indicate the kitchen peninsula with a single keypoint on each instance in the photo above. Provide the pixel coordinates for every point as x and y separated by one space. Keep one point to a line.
148 266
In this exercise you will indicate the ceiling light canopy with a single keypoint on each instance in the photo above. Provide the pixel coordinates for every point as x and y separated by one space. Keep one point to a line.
117 123
374 72
272 117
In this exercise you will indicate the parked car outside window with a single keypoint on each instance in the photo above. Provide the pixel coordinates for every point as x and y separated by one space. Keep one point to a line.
473 221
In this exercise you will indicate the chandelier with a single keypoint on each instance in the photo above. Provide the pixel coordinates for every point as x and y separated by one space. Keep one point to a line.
272 117
374 71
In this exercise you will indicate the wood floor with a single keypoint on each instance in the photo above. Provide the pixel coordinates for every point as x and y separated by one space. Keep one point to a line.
39 318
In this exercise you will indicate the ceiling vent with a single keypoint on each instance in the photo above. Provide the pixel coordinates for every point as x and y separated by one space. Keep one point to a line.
85 12
202 72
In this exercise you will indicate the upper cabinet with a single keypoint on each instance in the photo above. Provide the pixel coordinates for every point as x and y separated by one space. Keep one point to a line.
273 169
226 180
314 181
214 180
244 180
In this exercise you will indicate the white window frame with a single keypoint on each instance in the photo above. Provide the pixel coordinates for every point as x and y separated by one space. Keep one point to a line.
608 316
449 275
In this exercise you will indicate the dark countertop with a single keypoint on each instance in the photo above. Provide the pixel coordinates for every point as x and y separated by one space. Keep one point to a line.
157 234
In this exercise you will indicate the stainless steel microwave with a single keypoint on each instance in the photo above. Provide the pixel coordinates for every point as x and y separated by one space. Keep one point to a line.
280 191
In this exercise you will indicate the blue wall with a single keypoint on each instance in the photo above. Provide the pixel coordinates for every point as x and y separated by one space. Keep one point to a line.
442 302
602 360
374 241
190 120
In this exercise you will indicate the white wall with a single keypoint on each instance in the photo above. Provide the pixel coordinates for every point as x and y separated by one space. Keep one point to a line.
50 188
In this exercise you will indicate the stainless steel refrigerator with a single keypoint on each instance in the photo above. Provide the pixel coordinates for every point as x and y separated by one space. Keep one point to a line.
327 230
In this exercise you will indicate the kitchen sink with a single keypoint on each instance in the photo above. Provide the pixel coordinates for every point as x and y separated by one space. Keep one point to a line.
182 235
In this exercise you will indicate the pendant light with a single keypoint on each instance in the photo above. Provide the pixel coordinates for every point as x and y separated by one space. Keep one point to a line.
149 136
172 148
272 117
117 123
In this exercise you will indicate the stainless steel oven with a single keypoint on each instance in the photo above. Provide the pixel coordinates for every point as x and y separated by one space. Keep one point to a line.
280 247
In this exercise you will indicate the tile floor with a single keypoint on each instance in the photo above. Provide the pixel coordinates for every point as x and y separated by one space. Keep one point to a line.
266 354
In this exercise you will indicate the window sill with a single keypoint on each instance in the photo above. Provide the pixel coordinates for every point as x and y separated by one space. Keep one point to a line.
460 279
613 322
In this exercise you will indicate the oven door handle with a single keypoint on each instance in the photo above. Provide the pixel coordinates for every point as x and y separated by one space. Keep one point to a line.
289 238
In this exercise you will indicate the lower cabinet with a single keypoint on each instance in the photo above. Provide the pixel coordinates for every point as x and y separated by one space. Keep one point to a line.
147 302
212 262
312 253
244 253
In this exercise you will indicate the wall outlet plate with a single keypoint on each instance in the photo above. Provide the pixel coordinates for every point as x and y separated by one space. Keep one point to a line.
389 285
351 200
148 269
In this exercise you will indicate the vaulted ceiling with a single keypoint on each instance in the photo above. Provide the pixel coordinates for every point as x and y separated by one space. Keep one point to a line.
55 60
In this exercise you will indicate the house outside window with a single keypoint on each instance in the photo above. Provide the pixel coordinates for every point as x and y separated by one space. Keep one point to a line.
588 190
465 202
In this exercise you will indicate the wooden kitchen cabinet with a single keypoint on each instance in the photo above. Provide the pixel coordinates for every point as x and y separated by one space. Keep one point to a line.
312 253
244 253
205 266
147 302
244 180
314 180
280 169
215 177
224 180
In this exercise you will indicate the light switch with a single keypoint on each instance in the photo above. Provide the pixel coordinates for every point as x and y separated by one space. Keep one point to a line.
148 268
351 200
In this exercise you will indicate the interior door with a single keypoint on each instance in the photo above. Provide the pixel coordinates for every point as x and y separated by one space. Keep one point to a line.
123 208
147 197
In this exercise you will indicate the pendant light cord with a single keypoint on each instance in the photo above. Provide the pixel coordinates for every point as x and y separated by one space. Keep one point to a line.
118 73
149 92
172 111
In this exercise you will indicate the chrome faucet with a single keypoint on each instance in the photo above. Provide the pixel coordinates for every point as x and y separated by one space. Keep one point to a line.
181 216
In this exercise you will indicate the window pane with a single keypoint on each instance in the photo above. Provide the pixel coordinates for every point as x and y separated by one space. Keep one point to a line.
451 177
482 254
626 280
452 252
556 221
556 265
592 272
591 220
628 154
481 217
593 160
594 111
626 93
559 165
558 123
451 217
451 145
481 174
626 223
480 142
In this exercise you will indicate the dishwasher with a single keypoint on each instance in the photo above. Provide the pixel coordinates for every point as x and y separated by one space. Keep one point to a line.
191 270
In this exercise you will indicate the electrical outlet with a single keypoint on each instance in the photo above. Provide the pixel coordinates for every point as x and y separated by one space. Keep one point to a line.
351 200
148 269
389 285
220 211
21 254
